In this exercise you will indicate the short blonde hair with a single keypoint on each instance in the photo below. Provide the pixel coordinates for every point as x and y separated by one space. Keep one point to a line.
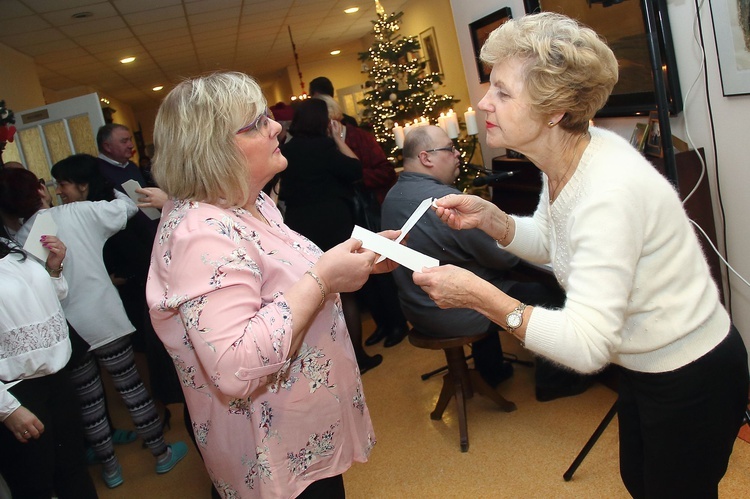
334 110
196 156
568 67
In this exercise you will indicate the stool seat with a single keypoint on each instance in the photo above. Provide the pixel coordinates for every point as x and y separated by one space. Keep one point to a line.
460 381
421 340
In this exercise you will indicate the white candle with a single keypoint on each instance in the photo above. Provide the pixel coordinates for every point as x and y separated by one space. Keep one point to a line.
441 122
407 129
423 121
398 134
470 117
451 122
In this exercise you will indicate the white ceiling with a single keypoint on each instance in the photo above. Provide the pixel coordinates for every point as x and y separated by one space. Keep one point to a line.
172 39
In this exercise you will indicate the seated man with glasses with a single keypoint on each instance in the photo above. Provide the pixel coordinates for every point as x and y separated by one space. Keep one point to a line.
431 166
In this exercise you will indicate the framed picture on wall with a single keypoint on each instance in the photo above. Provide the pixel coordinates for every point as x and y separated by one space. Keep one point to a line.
480 30
638 139
653 136
731 29
428 42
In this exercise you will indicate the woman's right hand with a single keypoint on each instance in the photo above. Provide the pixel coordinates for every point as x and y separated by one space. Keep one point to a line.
460 211
345 267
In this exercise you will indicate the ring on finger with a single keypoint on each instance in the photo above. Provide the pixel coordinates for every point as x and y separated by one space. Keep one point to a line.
26 432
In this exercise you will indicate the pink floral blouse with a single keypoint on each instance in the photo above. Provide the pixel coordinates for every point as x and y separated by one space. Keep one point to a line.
267 425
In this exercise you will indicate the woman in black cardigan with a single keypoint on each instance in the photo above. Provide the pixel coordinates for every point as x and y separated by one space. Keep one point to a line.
317 191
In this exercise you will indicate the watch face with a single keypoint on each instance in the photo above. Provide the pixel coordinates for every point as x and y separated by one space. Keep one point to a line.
514 319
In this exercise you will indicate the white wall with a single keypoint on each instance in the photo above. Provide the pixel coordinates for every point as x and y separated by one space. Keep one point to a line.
730 120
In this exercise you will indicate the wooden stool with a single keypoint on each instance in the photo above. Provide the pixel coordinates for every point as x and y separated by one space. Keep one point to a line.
460 381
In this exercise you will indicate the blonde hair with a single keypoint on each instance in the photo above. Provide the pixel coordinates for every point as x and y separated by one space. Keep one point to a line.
196 156
568 67
334 110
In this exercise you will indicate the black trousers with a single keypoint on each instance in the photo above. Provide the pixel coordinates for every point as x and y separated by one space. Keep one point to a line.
677 428
54 464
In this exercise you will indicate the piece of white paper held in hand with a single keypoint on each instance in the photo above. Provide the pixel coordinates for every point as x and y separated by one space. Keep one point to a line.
411 222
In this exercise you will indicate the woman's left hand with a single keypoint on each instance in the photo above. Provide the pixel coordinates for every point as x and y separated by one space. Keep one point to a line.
448 286
336 130
56 249
387 265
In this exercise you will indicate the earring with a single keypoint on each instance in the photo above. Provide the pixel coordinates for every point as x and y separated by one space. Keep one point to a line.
551 124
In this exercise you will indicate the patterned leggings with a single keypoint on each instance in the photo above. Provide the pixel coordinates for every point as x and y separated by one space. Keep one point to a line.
118 359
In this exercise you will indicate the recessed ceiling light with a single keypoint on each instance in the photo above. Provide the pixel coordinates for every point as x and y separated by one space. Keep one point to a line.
157 88
82 15
335 52
351 10
127 60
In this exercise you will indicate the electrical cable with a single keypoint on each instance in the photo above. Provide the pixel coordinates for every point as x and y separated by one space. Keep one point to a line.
699 40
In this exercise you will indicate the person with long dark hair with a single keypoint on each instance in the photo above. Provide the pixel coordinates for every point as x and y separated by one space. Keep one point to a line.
42 439
317 189
94 309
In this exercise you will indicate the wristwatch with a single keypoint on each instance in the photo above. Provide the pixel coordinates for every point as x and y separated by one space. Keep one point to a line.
514 320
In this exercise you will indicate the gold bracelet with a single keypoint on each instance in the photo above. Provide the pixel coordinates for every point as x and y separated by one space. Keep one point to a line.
53 271
507 229
320 285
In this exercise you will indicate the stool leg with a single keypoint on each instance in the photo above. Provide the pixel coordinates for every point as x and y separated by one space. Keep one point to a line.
445 396
481 386
458 370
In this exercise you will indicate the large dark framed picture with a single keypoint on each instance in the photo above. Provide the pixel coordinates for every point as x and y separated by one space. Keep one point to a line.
625 29
480 30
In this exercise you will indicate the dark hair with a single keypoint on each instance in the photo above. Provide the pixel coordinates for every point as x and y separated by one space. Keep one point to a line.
84 169
105 132
321 85
19 193
310 119
5 248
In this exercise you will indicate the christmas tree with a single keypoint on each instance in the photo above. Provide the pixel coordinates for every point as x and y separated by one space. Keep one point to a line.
399 89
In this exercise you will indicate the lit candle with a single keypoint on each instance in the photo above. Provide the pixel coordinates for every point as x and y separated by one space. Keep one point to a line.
407 129
398 134
451 122
441 122
470 117
424 121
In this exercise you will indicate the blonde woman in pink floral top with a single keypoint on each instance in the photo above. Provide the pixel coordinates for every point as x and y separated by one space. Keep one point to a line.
249 309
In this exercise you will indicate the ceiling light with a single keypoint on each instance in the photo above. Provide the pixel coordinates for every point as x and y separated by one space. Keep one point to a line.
127 60
335 52
157 88
82 15
351 10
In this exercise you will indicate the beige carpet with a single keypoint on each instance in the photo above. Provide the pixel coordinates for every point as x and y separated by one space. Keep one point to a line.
518 454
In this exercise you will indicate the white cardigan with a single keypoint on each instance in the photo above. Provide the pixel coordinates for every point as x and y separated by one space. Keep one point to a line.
33 332
639 291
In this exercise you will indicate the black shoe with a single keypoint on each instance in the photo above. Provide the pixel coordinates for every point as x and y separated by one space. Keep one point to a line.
376 337
395 336
545 394
368 363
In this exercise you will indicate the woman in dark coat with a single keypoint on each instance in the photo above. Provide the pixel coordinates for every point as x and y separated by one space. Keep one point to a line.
317 191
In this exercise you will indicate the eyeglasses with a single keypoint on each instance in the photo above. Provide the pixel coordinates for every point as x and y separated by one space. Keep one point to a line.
261 124
447 148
